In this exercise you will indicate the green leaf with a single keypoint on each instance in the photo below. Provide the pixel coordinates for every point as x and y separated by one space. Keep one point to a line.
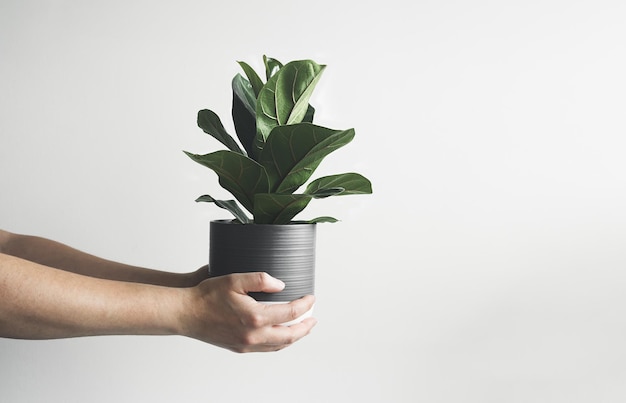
229 205
326 192
211 124
253 78
322 220
351 183
271 66
244 91
243 112
293 152
285 97
310 112
240 175
270 208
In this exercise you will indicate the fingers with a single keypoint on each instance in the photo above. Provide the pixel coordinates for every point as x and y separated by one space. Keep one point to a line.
287 335
264 328
282 313
225 315
255 282
275 338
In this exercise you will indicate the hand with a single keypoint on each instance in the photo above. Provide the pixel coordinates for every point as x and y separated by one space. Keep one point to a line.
198 276
220 312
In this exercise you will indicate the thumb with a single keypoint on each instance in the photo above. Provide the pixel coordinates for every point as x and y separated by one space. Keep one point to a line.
259 281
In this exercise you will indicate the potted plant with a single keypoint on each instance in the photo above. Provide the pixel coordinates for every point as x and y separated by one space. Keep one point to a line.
279 149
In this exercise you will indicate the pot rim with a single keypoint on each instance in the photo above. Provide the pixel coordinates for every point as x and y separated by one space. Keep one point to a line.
235 222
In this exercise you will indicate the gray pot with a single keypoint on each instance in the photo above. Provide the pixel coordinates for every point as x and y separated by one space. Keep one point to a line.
286 252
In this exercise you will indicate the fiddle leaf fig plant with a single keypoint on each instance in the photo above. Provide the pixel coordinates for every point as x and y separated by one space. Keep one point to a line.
279 146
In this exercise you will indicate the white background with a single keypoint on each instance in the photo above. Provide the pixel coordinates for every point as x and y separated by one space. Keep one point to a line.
488 266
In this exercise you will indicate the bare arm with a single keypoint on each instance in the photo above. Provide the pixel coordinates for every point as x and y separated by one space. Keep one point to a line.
54 254
49 290
40 302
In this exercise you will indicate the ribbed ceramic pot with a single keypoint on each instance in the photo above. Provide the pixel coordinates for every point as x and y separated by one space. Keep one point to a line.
286 252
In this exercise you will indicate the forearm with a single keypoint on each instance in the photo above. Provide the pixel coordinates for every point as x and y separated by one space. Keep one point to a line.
39 302
54 254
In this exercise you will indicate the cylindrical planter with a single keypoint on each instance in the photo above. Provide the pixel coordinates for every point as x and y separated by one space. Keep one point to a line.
286 252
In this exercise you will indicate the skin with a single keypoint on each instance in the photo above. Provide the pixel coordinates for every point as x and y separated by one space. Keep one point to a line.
49 290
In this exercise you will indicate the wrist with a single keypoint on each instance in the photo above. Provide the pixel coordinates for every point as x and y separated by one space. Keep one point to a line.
172 308
191 279
200 275
179 311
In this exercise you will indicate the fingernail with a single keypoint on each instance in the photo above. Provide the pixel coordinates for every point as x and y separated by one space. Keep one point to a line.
279 283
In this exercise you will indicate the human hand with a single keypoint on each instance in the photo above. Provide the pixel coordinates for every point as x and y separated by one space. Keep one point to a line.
219 311
198 276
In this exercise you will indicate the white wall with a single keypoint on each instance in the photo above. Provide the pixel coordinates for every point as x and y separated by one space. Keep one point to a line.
488 266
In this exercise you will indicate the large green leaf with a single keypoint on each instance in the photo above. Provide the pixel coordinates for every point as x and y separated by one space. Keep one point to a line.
310 113
229 205
322 220
211 124
271 66
351 183
244 91
240 175
326 192
253 78
270 208
243 112
285 97
293 152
